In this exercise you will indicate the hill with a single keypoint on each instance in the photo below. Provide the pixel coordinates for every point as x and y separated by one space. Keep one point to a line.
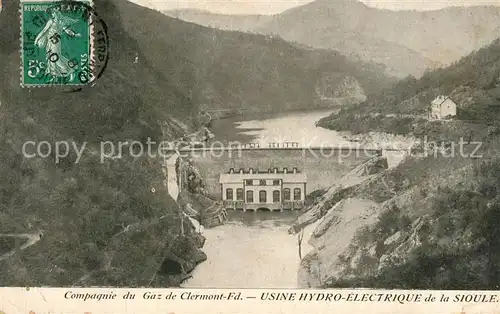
99 223
473 83
428 222
223 70
242 23
395 59
406 42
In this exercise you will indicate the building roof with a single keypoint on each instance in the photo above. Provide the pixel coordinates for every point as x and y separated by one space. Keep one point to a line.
441 99
237 177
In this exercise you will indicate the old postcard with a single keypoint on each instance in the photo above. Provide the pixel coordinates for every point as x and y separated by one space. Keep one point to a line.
238 156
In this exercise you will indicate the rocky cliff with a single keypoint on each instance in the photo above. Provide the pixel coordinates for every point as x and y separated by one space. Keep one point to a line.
424 224
345 186
332 237
340 216
346 91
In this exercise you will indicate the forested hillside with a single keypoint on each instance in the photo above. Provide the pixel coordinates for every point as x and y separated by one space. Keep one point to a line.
221 69
82 210
473 82
429 222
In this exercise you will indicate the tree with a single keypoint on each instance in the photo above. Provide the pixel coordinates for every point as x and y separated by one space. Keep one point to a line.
300 236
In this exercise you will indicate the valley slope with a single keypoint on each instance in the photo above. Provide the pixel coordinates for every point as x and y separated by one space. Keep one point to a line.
406 42
430 221
473 82
223 70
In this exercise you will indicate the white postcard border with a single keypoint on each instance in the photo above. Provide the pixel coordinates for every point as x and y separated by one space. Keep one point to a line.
59 300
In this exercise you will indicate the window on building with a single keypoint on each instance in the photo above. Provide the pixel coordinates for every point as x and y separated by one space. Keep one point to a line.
296 194
229 194
249 196
262 196
286 194
276 197
262 182
239 194
249 182
276 182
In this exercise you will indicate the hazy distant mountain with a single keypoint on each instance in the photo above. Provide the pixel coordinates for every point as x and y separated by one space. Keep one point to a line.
407 42
243 23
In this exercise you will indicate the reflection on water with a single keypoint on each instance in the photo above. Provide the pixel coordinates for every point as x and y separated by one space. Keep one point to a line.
285 127
263 218
252 250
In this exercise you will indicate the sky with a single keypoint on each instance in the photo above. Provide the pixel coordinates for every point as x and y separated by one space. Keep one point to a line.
277 6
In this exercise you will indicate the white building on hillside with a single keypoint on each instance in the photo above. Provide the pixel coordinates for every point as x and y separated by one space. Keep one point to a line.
442 107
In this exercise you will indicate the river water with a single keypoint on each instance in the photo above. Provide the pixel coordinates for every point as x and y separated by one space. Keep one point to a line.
254 250
285 127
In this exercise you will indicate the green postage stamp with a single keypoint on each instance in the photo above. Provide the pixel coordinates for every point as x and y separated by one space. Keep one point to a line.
55 42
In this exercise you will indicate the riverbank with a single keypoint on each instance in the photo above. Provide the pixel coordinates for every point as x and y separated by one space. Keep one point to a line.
403 126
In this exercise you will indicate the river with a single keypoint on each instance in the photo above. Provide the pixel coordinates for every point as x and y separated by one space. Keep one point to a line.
254 250
285 127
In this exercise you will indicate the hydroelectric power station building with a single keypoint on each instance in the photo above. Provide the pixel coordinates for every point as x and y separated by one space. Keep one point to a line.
270 190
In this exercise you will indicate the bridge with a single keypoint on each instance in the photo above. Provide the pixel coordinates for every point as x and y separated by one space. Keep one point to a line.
347 151
246 148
